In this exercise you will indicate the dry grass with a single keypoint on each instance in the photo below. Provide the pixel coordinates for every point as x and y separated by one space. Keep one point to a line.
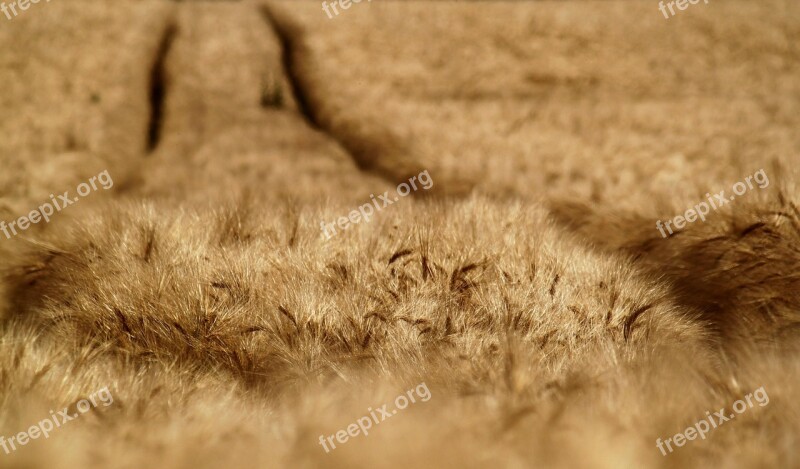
530 291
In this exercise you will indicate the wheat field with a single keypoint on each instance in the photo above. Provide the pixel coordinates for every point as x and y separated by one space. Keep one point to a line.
218 276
